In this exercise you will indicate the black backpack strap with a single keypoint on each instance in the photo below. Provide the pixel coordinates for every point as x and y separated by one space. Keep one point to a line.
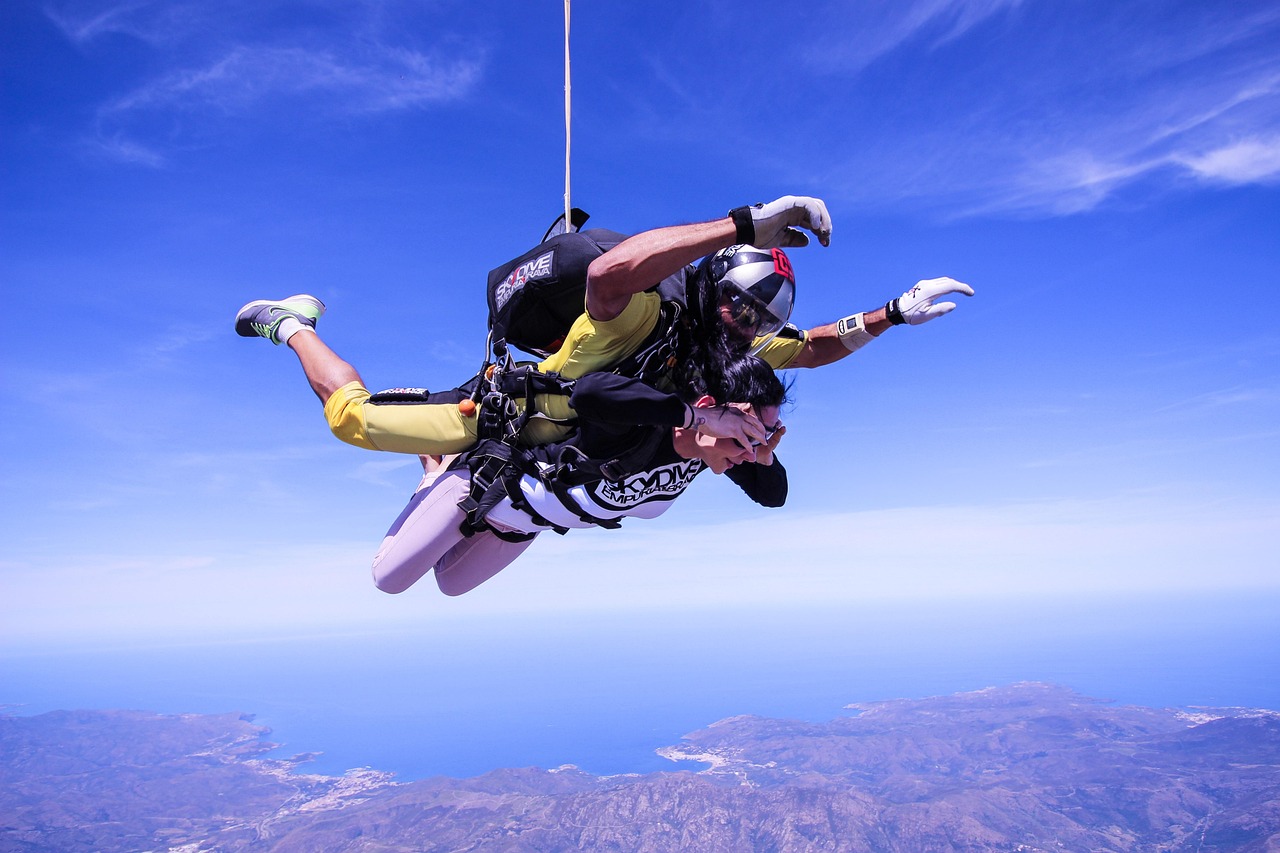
574 468
497 462
525 380
577 218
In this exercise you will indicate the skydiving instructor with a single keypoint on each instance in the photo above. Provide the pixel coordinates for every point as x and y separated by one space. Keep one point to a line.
619 315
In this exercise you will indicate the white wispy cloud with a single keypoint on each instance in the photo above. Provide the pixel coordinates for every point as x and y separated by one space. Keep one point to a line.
1149 542
152 22
859 34
234 64
166 348
1051 116
113 146
249 77
256 590
1211 401
1198 133
1126 543
1245 162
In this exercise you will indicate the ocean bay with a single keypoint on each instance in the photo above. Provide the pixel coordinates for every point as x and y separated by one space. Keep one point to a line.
603 691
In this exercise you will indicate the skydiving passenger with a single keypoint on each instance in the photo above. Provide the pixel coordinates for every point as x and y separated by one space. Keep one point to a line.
615 415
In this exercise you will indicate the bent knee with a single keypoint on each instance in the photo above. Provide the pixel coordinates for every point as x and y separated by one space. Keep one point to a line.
389 587
391 582
344 412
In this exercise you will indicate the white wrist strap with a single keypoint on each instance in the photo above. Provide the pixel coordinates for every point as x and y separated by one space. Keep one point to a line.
853 333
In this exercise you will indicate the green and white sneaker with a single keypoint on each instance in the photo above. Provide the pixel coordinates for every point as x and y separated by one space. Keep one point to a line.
264 318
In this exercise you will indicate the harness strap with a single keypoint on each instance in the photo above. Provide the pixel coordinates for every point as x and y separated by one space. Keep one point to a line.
491 481
497 463
527 381
656 356
519 501
496 470
486 464
561 489
576 468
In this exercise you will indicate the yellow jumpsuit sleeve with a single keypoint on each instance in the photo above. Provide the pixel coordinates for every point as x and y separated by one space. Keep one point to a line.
426 428
593 345
780 352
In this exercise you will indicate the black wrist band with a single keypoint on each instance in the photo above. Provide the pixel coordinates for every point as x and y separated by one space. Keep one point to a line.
745 225
892 314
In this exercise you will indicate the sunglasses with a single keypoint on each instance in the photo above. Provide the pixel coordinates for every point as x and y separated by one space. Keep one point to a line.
742 311
769 433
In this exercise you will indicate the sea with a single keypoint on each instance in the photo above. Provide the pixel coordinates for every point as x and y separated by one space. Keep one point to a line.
604 691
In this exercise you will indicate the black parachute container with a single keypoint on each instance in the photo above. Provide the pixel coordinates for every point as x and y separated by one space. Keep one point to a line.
534 299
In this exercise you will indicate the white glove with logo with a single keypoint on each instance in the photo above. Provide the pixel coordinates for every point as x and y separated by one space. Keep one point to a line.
767 226
917 305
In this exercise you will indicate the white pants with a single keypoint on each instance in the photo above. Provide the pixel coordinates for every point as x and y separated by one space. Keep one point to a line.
427 535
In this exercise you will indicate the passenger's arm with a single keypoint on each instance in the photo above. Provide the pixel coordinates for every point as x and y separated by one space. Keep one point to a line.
764 484
609 398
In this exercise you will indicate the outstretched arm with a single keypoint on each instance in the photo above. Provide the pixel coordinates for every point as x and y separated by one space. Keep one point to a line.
832 342
640 262
609 398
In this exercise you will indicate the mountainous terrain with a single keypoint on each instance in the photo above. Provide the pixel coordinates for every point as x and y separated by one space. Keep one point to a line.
1029 767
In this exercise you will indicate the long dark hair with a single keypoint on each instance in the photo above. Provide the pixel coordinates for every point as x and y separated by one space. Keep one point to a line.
737 379
706 346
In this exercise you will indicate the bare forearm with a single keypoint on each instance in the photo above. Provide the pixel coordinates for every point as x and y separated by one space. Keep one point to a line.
640 262
823 345
919 304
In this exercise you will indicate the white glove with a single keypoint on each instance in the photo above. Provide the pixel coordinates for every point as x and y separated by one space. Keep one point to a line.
766 226
917 305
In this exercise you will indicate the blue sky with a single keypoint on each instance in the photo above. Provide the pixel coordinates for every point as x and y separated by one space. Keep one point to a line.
1101 418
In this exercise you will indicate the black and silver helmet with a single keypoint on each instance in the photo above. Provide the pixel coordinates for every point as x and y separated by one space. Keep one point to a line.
756 291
